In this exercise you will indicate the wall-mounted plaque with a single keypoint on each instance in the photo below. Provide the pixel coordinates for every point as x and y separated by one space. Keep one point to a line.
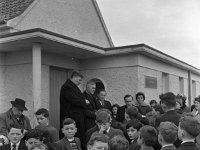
150 82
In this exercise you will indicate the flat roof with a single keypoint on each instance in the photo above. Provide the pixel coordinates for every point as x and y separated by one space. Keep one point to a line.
97 50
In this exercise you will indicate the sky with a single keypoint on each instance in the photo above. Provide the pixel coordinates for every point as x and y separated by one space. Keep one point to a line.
170 26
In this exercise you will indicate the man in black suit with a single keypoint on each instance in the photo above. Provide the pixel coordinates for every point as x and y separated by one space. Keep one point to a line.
101 100
73 103
15 135
188 130
168 104
129 101
92 107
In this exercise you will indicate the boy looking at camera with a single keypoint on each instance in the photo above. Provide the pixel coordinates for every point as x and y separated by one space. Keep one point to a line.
69 141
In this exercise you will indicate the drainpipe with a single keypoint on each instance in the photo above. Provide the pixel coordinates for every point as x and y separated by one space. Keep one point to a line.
189 88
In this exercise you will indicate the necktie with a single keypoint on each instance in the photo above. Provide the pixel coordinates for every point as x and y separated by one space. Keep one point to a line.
14 147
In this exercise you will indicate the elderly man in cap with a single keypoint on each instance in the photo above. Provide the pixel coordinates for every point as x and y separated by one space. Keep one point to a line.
14 117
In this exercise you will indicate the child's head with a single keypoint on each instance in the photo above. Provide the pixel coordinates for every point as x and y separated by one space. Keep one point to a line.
118 142
131 113
98 141
69 128
15 134
167 133
132 127
168 101
147 136
115 108
189 128
103 119
33 137
42 116
39 147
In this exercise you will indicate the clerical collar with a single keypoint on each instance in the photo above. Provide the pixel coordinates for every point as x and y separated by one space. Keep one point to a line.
185 141
167 145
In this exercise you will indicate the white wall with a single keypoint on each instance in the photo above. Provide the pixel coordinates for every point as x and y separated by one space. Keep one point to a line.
73 18
118 81
2 79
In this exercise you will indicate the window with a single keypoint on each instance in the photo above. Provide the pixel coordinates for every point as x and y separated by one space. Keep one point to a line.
181 85
165 82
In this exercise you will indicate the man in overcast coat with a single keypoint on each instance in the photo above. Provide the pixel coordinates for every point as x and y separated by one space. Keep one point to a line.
73 103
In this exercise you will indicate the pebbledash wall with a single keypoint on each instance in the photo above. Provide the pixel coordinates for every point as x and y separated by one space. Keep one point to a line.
16 78
121 74
77 19
125 74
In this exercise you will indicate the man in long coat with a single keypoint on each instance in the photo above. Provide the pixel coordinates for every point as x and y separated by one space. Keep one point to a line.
73 103
91 108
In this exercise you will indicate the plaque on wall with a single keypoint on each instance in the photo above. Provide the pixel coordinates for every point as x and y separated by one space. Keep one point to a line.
150 82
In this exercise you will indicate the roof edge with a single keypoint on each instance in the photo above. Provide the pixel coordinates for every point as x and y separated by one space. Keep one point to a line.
103 23
15 21
139 48
142 45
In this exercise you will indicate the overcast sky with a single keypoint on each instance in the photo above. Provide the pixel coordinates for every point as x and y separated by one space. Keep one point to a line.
171 26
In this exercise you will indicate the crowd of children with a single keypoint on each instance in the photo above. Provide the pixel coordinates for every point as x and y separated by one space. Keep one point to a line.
170 131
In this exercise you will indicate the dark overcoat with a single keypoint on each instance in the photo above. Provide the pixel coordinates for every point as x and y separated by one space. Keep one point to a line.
72 105
90 110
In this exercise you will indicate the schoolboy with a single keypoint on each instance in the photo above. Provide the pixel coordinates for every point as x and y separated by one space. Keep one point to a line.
15 134
188 130
103 121
69 142
118 142
42 116
98 141
167 135
132 128
33 137
147 137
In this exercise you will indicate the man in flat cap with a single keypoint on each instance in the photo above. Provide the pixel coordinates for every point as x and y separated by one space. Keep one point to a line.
14 117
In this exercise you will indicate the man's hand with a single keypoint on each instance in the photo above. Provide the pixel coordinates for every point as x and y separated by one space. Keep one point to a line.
4 139
87 102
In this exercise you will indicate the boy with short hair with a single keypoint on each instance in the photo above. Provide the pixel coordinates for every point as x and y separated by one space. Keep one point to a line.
15 135
103 121
42 116
188 130
98 141
132 127
167 135
69 142
118 142
147 137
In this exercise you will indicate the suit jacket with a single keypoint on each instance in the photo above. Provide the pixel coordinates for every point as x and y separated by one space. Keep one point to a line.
72 105
106 105
188 146
112 132
22 146
64 144
171 147
90 110
171 116
121 114
8 119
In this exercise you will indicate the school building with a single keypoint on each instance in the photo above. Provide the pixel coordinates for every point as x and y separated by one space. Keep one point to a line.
42 41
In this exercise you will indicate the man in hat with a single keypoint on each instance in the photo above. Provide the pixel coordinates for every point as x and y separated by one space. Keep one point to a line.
14 117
